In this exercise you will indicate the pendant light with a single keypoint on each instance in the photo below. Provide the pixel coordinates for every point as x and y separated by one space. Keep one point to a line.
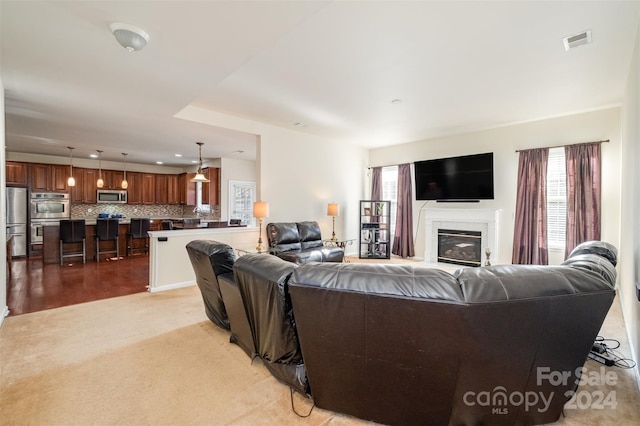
71 181
124 184
199 177
100 182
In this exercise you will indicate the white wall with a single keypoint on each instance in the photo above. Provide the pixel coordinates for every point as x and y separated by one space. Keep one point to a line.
503 142
4 309
299 174
630 224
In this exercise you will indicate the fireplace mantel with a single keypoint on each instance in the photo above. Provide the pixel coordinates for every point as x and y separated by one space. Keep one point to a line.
484 221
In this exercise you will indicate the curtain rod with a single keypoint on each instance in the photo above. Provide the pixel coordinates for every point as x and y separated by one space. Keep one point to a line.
562 146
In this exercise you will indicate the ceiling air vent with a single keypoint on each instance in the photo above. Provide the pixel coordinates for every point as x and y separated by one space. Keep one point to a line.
577 40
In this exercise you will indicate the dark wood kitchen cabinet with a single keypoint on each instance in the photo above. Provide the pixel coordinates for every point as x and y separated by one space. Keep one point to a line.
161 189
134 191
113 179
85 189
173 190
16 173
148 188
187 189
49 178
211 189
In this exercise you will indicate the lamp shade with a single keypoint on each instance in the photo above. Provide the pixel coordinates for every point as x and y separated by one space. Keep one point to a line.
260 209
333 209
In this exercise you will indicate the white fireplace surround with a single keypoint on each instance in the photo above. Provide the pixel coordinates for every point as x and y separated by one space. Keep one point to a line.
480 220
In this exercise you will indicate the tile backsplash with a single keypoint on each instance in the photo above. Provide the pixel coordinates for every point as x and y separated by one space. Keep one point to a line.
151 210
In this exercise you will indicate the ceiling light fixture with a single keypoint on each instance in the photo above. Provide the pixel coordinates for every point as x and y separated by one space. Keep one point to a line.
71 181
199 177
100 182
124 184
130 37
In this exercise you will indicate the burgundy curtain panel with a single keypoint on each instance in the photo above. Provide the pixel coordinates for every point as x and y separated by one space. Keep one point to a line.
376 183
403 236
583 194
530 230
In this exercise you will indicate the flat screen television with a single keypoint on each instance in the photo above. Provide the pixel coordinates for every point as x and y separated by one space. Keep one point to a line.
464 178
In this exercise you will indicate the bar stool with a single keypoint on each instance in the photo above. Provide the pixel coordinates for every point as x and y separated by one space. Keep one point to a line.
107 230
138 230
72 232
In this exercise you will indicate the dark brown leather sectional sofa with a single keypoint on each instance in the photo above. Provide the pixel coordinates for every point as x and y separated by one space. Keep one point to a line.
399 344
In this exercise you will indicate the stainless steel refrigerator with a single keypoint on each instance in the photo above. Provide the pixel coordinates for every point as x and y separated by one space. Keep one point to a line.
17 220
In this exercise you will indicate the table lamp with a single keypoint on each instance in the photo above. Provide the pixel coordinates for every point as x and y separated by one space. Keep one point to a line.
260 211
333 210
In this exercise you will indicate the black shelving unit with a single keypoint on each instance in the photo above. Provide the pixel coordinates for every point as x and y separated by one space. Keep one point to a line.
374 229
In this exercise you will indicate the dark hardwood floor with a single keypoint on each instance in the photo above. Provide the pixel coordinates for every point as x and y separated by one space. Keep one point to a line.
34 286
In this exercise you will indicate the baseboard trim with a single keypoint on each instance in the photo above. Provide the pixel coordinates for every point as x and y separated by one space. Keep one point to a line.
4 314
171 286
636 370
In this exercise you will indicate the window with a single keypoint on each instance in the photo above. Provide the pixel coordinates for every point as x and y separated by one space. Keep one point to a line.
556 199
390 193
242 195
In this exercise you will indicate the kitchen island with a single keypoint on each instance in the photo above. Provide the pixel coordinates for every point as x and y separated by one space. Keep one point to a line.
169 264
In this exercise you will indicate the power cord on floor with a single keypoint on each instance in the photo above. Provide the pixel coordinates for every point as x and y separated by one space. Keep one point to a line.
607 349
294 408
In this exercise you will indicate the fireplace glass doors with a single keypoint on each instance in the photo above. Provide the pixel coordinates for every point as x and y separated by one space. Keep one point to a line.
460 247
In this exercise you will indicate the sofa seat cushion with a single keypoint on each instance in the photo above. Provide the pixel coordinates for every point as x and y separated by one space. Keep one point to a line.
301 256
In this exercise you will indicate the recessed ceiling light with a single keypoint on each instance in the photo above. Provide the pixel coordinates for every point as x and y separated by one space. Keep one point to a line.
159 162
177 155
194 161
396 101
93 155
298 124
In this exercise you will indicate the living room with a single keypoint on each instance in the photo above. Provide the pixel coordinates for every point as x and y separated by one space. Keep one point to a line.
299 173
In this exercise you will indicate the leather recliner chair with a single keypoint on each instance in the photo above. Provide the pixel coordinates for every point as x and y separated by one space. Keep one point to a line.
263 283
300 242
213 265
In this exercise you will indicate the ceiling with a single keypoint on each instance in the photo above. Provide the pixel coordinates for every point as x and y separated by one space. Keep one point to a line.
373 73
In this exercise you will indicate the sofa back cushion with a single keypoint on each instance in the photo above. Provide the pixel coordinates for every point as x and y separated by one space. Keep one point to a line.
209 260
380 279
310 235
283 236
518 282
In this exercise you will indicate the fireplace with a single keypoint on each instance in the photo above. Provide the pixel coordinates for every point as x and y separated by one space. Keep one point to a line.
460 247
483 221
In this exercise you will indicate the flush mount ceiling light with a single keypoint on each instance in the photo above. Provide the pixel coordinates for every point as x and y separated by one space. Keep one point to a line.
199 177
130 37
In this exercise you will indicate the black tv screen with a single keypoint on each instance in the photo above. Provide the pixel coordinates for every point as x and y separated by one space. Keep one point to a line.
464 178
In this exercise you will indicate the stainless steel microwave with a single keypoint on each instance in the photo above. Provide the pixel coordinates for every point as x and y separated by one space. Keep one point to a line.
112 196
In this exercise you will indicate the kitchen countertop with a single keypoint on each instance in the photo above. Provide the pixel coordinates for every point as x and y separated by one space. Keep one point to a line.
127 220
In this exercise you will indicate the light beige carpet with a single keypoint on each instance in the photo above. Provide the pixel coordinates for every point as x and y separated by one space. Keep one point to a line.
155 359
